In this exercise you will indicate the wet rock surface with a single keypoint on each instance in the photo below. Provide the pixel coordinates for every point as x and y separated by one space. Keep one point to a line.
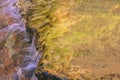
18 55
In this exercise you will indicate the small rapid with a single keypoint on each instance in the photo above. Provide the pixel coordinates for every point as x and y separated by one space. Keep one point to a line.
18 55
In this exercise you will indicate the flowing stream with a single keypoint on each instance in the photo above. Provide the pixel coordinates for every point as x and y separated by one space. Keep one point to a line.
18 55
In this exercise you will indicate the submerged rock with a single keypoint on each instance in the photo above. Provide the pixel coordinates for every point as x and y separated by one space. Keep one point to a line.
18 55
46 76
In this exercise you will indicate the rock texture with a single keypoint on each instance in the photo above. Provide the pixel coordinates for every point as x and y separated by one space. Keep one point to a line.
18 55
